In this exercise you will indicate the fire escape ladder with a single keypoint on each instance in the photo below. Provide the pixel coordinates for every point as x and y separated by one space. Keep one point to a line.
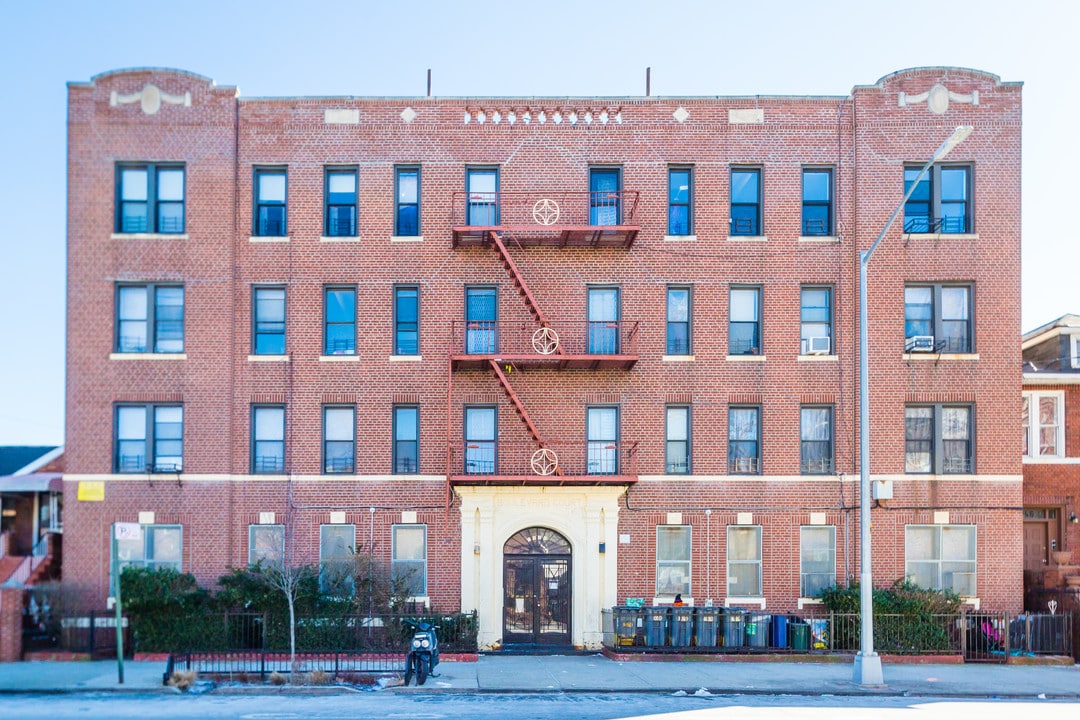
519 280
518 407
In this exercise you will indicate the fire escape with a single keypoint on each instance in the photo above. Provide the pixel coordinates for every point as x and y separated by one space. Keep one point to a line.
499 221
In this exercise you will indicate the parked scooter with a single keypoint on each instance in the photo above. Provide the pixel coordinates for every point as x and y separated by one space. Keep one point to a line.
423 653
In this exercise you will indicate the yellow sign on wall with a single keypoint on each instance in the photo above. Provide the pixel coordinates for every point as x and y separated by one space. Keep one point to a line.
91 491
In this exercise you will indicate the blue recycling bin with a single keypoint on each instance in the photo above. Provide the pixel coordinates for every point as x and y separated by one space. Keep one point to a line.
778 631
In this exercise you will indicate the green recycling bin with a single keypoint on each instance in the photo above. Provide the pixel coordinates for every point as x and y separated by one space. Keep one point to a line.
682 626
756 628
656 626
799 636
707 626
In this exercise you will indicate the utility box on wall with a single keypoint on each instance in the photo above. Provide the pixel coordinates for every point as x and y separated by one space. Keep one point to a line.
882 489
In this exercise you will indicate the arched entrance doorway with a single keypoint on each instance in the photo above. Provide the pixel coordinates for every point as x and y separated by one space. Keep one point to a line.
536 588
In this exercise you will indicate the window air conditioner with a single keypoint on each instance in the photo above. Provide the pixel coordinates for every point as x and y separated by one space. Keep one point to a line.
818 346
919 343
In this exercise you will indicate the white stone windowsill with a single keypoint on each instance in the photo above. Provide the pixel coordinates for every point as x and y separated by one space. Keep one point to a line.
940 236
339 238
406 358
803 602
748 238
269 239
339 358
148 236
680 238
406 238
1051 460
148 356
736 600
818 358
941 356
677 358
819 239
975 602
268 358
670 600
746 358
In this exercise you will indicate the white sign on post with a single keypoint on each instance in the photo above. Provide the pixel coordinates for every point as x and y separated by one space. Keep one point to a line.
128 531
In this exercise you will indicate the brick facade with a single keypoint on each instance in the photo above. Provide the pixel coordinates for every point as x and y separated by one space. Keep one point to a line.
865 138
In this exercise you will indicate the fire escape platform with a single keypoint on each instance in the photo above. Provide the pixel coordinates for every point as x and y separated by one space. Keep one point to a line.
555 236
535 361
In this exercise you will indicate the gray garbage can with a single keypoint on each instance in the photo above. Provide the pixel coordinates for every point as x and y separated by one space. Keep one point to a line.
706 626
627 621
656 626
733 628
682 626
756 627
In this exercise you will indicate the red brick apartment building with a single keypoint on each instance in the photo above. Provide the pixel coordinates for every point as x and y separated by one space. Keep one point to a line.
547 354
1050 416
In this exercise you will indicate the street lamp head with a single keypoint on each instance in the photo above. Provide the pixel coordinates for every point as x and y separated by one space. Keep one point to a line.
959 135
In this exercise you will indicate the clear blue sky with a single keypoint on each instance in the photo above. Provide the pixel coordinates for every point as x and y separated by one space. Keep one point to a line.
694 47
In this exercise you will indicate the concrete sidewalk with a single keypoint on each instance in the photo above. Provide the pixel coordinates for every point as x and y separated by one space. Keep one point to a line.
596 673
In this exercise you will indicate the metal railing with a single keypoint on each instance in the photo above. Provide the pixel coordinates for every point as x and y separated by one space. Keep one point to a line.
539 209
580 337
587 458
952 224
263 663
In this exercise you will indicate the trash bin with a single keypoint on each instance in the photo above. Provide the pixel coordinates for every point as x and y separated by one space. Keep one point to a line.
756 628
627 622
707 626
799 636
682 626
778 631
733 628
656 626
819 634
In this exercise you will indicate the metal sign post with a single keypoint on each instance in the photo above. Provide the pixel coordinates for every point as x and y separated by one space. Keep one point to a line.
121 531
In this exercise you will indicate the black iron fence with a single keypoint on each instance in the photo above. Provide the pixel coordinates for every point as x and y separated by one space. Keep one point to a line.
979 637
263 663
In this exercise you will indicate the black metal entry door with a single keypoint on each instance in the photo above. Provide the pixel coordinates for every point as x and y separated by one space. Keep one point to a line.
536 601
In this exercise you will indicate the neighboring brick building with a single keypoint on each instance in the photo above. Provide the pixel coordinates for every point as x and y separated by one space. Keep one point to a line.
1050 416
337 322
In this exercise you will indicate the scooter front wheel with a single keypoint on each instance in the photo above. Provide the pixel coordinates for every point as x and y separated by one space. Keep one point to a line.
409 668
421 670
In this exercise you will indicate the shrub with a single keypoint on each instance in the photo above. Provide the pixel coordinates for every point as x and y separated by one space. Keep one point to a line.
168 610
907 618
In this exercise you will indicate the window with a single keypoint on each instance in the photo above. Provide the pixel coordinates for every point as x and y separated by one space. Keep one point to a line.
339 439
817 203
680 201
151 199
339 321
603 320
407 203
1044 431
678 321
157 547
266 545
744 561
340 202
482 188
672 560
744 440
268 320
149 318
818 559
149 438
481 431
406 320
816 316
745 201
938 439
336 543
602 431
605 196
408 568
1074 350
744 326
481 320
406 439
270 206
267 438
816 440
677 431
941 557
940 202
940 312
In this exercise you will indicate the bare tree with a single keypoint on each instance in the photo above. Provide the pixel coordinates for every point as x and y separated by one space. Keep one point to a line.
289 580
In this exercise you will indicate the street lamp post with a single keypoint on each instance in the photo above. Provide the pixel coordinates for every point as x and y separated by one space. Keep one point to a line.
867 670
